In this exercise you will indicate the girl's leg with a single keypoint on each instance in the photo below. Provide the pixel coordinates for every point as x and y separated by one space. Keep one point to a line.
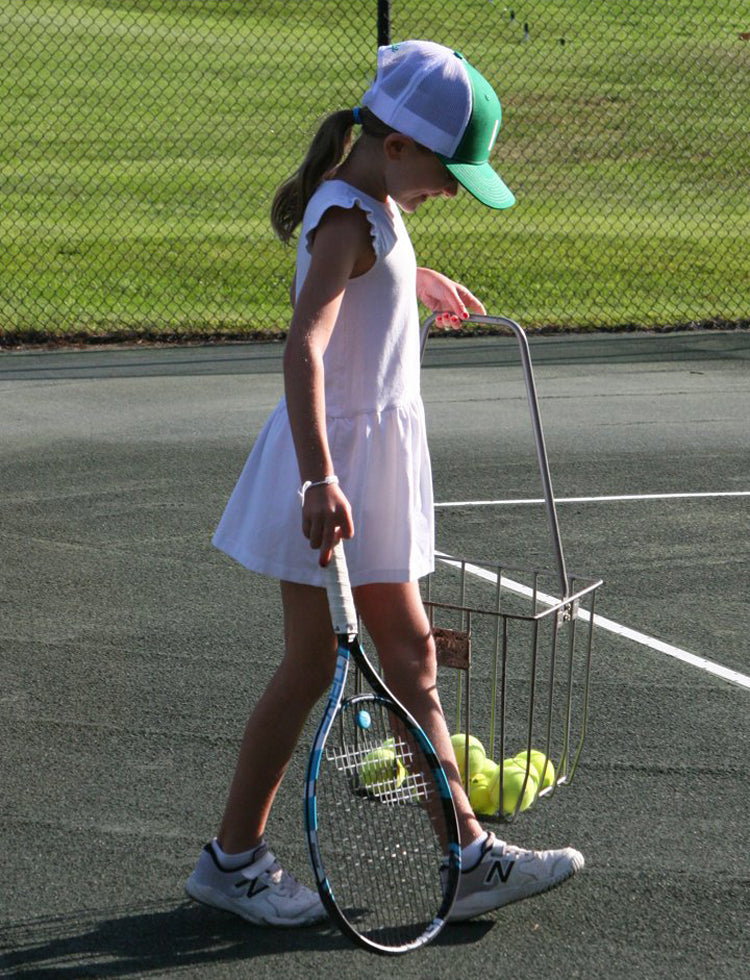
396 620
305 673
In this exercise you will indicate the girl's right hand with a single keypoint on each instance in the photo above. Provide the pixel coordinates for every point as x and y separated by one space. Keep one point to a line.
326 519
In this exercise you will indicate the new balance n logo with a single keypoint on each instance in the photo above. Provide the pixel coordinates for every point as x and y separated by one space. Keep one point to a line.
500 871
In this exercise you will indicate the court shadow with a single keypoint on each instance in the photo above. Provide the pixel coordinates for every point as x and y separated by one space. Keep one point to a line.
162 936
120 942
464 933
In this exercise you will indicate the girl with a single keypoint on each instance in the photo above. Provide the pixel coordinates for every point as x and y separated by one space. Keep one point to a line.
351 430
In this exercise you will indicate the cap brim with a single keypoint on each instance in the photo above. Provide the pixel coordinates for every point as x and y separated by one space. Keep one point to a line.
482 181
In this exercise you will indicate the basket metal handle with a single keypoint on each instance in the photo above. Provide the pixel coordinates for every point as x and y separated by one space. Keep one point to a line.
536 421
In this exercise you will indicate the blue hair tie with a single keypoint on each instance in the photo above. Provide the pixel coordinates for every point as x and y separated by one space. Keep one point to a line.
357 113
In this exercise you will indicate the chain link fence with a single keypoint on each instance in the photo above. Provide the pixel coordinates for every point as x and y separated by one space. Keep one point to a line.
142 141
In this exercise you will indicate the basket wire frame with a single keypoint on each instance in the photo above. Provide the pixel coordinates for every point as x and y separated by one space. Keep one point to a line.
539 684
550 619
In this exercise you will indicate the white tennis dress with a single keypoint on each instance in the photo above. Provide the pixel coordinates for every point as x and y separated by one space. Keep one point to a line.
375 423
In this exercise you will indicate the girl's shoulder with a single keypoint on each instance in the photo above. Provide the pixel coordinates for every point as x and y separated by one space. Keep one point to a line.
342 191
381 216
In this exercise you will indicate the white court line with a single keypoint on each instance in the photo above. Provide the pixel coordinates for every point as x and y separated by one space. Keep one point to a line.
592 500
733 676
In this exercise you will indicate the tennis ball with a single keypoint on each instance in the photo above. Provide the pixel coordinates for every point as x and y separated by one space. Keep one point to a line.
513 780
545 771
488 769
479 787
476 753
479 795
458 741
381 770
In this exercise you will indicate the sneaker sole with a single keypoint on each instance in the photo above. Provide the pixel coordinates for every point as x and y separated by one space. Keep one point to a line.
519 895
214 898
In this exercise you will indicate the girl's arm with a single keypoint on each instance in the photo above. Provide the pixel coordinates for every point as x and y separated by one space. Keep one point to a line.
443 295
342 248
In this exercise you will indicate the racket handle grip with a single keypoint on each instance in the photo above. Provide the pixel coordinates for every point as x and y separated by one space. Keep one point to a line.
340 599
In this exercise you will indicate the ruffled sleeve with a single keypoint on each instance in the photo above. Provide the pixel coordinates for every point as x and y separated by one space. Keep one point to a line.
338 194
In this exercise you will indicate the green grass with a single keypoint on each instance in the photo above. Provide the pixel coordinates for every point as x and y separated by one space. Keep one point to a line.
142 141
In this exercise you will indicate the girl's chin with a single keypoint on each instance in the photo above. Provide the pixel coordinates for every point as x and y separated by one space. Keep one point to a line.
411 205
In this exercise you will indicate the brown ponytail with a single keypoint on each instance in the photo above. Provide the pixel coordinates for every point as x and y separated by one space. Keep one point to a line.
329 146
328 149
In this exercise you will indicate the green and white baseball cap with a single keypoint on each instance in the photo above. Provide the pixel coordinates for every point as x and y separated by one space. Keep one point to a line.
433 94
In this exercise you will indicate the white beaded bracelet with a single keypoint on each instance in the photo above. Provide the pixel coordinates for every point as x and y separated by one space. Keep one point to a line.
327 482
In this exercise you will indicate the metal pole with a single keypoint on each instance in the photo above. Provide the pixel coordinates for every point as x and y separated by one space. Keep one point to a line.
384 22
536 422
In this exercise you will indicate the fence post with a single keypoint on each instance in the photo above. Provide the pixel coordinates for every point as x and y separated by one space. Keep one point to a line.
384 22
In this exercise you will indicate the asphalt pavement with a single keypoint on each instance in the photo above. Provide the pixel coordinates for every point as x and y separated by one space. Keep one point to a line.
131 651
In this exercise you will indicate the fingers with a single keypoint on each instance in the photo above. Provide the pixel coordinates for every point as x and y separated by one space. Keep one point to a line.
326 519
470 300
450 300
459 301
450 321
326 550
330 537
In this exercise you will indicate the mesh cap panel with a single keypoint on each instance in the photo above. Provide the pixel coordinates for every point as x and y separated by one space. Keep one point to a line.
422 89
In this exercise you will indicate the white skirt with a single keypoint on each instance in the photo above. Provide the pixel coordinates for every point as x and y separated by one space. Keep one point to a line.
383 465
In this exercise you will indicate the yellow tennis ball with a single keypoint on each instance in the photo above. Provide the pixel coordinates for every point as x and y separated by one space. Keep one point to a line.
479 788
458 741
545 771
476 753
381 770
400 773
512 788
479 796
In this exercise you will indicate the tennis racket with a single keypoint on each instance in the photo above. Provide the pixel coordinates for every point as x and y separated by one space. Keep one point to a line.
379 815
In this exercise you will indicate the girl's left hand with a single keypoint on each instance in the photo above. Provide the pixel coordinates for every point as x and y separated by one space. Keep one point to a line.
448 298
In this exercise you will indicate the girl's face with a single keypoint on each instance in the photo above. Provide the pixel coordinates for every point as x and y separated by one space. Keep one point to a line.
416 174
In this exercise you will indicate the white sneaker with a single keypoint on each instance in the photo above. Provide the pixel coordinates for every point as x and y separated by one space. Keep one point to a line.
506 874
261 892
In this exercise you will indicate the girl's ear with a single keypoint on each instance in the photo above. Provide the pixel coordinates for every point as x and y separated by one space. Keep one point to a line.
395 145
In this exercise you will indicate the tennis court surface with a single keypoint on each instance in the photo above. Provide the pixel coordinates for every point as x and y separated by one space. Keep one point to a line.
132 651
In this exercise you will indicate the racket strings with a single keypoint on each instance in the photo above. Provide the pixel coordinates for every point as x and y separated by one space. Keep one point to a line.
412 787
377 833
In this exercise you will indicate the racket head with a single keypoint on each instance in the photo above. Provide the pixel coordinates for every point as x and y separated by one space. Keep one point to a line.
381 825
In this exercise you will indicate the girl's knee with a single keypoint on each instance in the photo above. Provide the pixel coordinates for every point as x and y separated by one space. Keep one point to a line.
412 662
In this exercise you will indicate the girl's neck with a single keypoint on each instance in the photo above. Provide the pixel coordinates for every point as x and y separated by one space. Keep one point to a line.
362 170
